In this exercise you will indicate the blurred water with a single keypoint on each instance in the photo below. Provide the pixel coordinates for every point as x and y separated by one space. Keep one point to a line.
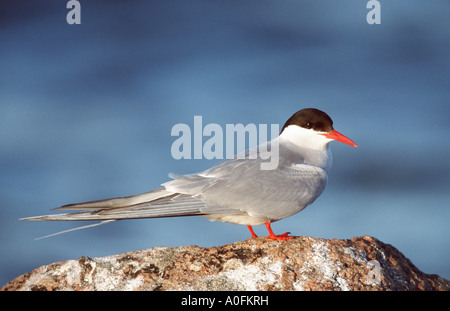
86 112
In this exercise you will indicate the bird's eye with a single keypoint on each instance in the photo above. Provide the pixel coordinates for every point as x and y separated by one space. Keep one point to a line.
308 125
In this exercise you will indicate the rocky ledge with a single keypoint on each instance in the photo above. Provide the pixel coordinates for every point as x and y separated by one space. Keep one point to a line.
303 263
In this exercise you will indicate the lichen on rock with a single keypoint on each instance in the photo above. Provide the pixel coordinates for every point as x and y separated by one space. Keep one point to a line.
303 263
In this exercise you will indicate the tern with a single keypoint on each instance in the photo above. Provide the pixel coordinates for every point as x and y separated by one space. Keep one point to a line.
236 190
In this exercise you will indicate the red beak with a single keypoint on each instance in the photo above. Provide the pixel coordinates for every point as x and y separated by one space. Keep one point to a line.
339 137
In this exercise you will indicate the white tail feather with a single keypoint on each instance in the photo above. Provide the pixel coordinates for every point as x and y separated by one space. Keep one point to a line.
76 228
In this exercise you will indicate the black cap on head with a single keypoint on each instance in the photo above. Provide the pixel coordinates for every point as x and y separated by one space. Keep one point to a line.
310 118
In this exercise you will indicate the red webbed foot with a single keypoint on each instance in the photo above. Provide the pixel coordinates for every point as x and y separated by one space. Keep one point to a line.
273 236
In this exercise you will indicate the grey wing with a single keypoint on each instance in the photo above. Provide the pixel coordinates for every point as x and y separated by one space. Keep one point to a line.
241 185
236 186
157 203
154 204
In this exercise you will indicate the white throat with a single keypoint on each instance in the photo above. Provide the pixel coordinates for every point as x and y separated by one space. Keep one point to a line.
305 138
311 147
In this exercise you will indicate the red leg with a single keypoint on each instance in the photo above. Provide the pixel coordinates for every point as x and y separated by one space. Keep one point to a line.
272 235
252 232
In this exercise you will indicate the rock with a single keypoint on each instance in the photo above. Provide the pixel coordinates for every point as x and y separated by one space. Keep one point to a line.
303 263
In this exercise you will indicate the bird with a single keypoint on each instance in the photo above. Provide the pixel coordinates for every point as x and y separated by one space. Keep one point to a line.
235 190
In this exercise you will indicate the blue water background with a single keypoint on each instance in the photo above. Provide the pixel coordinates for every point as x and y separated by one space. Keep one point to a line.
86 113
